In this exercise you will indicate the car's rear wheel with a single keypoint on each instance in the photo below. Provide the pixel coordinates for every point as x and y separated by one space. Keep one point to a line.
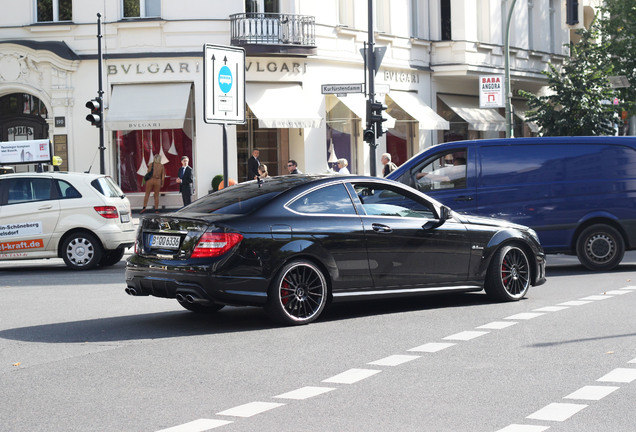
112 257
298 294
81 251
600 247
508 277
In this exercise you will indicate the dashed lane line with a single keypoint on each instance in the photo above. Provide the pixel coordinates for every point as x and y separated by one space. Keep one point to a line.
497 325
394 360
592 392
305 393
597 297
352 376
197 426
525 316
250 409
575 303
466 335
557 412
622 375
553 308
432 347
523 428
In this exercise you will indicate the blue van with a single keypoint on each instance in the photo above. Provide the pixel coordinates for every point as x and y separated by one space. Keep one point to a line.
577 193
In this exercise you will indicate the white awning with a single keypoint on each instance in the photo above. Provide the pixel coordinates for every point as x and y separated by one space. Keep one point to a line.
520 111
282 106
479 119
357 104
417 109
148 106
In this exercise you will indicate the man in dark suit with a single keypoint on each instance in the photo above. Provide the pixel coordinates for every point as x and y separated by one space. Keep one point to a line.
185 181
252 165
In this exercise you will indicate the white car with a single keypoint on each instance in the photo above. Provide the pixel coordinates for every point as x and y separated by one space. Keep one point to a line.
83 218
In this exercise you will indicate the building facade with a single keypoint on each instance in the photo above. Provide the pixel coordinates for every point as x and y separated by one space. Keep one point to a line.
153 79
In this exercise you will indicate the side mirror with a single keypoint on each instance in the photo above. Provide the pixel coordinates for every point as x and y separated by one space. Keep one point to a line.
444 213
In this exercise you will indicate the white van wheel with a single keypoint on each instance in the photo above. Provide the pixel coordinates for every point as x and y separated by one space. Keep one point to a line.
600 247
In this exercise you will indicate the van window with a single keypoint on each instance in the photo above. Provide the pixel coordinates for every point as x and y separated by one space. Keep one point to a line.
503 165
444 171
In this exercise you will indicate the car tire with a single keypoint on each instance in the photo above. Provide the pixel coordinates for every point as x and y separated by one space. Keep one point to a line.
508 276
600 247
298 294
201 308
112 257
81 251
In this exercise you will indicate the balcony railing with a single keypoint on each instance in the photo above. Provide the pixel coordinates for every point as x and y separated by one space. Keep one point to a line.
272 33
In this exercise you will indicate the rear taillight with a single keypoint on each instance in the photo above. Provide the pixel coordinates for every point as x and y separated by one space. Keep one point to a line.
108 212
212 244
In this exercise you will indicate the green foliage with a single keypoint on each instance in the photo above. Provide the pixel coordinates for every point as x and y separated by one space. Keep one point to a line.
216 181
580 96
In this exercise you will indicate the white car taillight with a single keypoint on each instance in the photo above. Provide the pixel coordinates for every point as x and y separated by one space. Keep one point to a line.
108 212
212 244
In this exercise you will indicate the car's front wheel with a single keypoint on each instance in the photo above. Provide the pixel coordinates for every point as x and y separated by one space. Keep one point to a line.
298 295
81 251
508 277
600 247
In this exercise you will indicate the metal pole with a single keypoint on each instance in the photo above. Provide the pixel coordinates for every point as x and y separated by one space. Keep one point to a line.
371 68
508 94
226 177
100 97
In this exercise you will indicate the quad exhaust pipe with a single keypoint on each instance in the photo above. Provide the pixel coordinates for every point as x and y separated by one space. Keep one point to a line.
189 298
131 291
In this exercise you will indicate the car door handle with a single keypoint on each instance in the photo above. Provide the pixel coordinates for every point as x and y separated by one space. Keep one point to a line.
464 198
381 228
45 207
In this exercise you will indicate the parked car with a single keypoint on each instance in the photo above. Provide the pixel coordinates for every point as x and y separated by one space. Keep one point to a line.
294 243
577 193
83 218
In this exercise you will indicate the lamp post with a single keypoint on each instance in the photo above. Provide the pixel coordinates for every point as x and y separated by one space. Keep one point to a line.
508 94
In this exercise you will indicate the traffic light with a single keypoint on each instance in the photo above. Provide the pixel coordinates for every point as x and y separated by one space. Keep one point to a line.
369 136
95 117
572 12
376 117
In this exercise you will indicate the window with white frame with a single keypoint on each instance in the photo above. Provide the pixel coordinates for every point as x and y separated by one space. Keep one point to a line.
383 16
552 26
345 13
483 20
415 18
530 24
141 8
54 10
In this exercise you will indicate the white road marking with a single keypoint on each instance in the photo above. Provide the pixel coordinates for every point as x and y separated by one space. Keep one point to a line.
497 325
432 347
619 375
525 316
394 360
632 361
629 288
557 411
197 426
617 292
352 376
592 392
466 335
523 428
574 303
551 309
305 393
596 297
250 409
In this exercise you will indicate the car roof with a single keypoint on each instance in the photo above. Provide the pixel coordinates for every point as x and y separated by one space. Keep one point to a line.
54 174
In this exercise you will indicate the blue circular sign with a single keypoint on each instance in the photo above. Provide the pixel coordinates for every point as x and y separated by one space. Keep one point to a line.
225 79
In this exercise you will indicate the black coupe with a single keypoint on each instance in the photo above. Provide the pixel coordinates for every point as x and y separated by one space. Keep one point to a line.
295 243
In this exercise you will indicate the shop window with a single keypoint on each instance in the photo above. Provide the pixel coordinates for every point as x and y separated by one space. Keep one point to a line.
137 149
250 136
141 8
446 19
54 10
342 128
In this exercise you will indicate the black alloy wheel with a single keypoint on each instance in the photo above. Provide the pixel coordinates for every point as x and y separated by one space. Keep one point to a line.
508 277
600 247
298 294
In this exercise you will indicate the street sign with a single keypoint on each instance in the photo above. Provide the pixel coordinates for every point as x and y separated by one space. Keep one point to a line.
342 88
491 91
223 84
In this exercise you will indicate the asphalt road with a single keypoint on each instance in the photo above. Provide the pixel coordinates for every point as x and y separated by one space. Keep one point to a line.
77 354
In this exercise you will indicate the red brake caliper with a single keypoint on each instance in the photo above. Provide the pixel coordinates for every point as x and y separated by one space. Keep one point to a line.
284 292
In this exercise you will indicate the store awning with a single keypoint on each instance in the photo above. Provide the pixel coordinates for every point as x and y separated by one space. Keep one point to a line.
411 104
148 106
357 104
520 109
479 119
282 106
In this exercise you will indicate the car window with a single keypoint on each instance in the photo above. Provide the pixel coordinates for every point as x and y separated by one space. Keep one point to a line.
445 170
333 199
67 190
387 200
107 187
20 190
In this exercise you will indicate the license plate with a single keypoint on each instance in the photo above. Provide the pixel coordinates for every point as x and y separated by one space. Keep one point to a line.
125 218
164 242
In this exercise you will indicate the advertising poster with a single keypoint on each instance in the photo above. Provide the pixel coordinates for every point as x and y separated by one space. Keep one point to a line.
25 152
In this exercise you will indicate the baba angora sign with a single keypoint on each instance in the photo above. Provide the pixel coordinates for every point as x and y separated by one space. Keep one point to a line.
25 152
491 91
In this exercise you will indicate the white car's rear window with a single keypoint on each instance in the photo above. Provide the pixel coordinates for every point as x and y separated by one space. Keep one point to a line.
107 187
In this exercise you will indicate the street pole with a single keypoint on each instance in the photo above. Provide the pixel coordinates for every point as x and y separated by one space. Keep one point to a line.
371 69
508 95
100 97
